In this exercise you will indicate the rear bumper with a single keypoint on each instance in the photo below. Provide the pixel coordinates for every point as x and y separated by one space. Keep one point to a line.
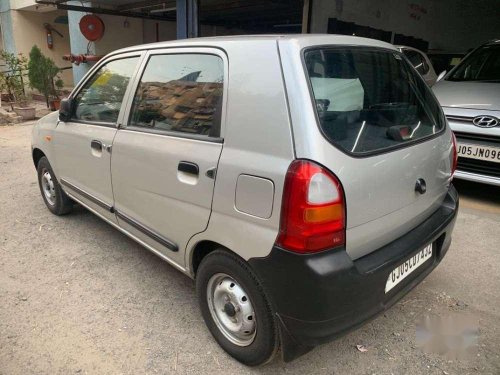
322 296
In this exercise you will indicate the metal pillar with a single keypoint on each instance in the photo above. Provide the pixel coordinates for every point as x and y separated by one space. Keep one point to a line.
78 43
306 16
187 19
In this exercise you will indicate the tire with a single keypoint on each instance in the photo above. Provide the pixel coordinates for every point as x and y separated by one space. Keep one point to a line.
217 272
54 197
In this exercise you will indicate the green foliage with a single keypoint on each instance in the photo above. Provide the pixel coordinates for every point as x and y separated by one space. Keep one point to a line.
43 74
11 79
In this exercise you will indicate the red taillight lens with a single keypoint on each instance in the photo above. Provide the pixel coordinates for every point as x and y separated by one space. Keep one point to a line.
313 209
454 162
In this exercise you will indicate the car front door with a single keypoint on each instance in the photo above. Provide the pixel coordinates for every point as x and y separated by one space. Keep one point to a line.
165 156
83 145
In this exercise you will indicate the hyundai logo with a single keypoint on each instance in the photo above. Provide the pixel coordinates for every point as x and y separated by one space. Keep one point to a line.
485 121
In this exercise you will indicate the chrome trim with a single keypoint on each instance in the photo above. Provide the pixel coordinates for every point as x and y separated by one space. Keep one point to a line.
459 118
477 178
136 239
147 231
485 121
90 197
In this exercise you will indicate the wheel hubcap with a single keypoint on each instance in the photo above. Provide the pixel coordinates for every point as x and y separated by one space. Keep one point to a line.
48 187
231 309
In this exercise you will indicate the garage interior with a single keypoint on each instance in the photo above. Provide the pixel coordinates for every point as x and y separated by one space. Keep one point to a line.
441 27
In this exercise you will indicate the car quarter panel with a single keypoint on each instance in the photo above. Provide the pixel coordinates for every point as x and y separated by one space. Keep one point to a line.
257 142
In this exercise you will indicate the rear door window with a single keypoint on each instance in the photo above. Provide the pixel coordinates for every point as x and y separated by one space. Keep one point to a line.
370 100
180 93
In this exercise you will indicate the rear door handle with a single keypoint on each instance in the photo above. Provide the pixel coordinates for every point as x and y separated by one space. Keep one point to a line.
188 167
99 146
96 145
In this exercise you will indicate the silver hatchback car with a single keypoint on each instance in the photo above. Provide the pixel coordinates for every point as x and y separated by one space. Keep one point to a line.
304 182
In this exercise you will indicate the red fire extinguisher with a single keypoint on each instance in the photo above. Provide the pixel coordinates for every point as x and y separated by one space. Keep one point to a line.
50 39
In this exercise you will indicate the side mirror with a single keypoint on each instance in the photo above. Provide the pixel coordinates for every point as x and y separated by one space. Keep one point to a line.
66 109
441 76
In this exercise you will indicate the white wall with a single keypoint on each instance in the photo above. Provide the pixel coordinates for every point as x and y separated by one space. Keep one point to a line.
167 30
117 35
28 30
451 25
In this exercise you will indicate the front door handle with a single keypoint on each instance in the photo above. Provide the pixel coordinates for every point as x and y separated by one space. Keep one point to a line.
188 167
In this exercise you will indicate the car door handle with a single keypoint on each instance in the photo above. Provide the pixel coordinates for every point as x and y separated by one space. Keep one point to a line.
96 145
188 167
99 146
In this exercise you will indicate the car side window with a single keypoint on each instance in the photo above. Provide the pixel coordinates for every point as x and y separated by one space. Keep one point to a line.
180 93
101 97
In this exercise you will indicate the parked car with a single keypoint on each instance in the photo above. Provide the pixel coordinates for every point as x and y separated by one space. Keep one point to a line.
470 97
421 62
304 182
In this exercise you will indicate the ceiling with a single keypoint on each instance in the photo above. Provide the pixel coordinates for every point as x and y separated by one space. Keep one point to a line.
258 16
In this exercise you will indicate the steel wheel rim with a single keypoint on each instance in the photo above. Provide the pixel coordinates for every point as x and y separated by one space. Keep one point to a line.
48 187
231 309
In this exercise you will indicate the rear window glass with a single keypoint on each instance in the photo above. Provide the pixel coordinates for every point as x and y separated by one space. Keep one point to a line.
370 100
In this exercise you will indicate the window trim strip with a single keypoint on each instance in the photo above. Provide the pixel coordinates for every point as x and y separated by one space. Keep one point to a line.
194 137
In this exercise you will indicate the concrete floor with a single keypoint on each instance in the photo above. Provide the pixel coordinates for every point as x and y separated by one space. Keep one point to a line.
77 296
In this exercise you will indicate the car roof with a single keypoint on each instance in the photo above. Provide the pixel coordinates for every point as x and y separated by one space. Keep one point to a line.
494 41
301 40
408 47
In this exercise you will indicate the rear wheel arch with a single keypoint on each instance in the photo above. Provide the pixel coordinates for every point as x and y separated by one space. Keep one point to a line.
200 251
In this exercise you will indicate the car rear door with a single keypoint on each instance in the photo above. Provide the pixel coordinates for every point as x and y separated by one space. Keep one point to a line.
165 156
83 145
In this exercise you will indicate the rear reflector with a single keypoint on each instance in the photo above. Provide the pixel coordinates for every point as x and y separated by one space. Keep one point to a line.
313 209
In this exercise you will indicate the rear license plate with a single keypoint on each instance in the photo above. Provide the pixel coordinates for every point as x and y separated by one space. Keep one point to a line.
402 271
479 152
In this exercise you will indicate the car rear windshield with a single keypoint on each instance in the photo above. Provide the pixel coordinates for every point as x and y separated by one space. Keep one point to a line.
370 100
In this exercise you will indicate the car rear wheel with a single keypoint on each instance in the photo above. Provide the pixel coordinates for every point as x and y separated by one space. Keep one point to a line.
54 197
236 309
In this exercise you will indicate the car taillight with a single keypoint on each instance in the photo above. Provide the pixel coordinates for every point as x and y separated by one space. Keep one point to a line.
454 162
313 209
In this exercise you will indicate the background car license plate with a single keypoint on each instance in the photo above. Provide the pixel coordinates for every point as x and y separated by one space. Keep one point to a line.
402 271
479 152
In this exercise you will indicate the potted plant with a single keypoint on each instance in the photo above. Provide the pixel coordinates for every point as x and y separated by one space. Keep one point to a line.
43 74
12 80
55 99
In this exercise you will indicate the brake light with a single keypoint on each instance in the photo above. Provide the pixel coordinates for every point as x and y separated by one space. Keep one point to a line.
313 209
454 162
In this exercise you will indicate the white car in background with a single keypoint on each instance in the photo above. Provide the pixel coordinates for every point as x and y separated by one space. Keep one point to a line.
470 97
421 63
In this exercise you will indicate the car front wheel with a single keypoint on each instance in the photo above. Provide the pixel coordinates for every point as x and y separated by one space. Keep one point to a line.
54 197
